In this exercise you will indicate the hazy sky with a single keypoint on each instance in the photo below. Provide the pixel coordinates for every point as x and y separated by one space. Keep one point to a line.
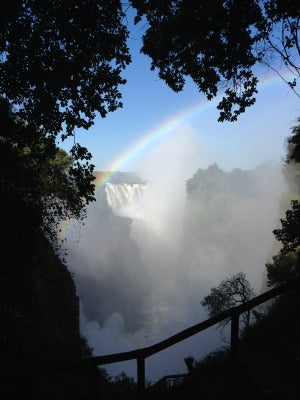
148 102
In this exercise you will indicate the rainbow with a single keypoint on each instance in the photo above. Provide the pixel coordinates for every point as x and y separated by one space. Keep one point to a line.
148 139
166 127
158 133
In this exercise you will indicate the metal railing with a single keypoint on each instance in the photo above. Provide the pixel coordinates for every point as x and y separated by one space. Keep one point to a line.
233 313
170 380
141 354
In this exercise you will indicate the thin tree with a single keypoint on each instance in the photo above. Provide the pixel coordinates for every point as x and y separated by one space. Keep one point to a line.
230 293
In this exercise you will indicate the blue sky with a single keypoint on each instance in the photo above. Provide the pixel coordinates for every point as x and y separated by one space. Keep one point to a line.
257 136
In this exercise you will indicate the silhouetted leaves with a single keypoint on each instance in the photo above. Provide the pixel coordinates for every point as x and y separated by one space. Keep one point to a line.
294 144
218 43
61 61
285 266
39 177
289 234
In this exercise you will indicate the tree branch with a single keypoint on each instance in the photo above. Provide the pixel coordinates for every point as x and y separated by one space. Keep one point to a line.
282 77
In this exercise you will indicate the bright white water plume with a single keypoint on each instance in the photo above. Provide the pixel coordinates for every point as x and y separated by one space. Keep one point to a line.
121 194
149 253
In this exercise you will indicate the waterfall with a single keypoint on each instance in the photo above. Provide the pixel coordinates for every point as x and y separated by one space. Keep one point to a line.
121 194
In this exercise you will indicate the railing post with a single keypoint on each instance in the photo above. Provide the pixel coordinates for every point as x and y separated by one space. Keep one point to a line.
140 375
234 340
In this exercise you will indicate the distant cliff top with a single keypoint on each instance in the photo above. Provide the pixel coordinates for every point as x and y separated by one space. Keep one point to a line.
236 182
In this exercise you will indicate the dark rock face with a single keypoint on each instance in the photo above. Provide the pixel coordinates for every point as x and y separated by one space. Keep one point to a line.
54 335
40 331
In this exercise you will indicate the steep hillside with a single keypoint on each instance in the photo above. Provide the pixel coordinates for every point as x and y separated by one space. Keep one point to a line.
42 333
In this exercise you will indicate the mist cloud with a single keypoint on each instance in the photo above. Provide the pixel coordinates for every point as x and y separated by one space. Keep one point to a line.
142 271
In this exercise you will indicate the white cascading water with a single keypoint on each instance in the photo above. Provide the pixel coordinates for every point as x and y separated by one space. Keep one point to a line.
149 253
122 194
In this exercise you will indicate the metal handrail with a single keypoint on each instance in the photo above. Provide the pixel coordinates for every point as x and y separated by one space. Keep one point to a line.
141 354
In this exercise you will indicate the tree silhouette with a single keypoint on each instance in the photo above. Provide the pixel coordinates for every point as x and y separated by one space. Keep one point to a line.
61 61
285 266
231 292
38 177
36 289
218 44
289 234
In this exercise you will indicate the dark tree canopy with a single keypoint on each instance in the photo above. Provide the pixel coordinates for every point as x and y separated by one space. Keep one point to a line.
289 234
217 43
61 60
285 266
60 63
38 180
293 150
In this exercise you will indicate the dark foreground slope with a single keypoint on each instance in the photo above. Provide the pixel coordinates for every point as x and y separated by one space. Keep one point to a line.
40 328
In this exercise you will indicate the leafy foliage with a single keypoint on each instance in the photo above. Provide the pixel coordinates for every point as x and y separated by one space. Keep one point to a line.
86 350
124 385
37 192
231 292
61 61
218 43
285 266
120 387
39 179
294 144
289 234
190 363
291 167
